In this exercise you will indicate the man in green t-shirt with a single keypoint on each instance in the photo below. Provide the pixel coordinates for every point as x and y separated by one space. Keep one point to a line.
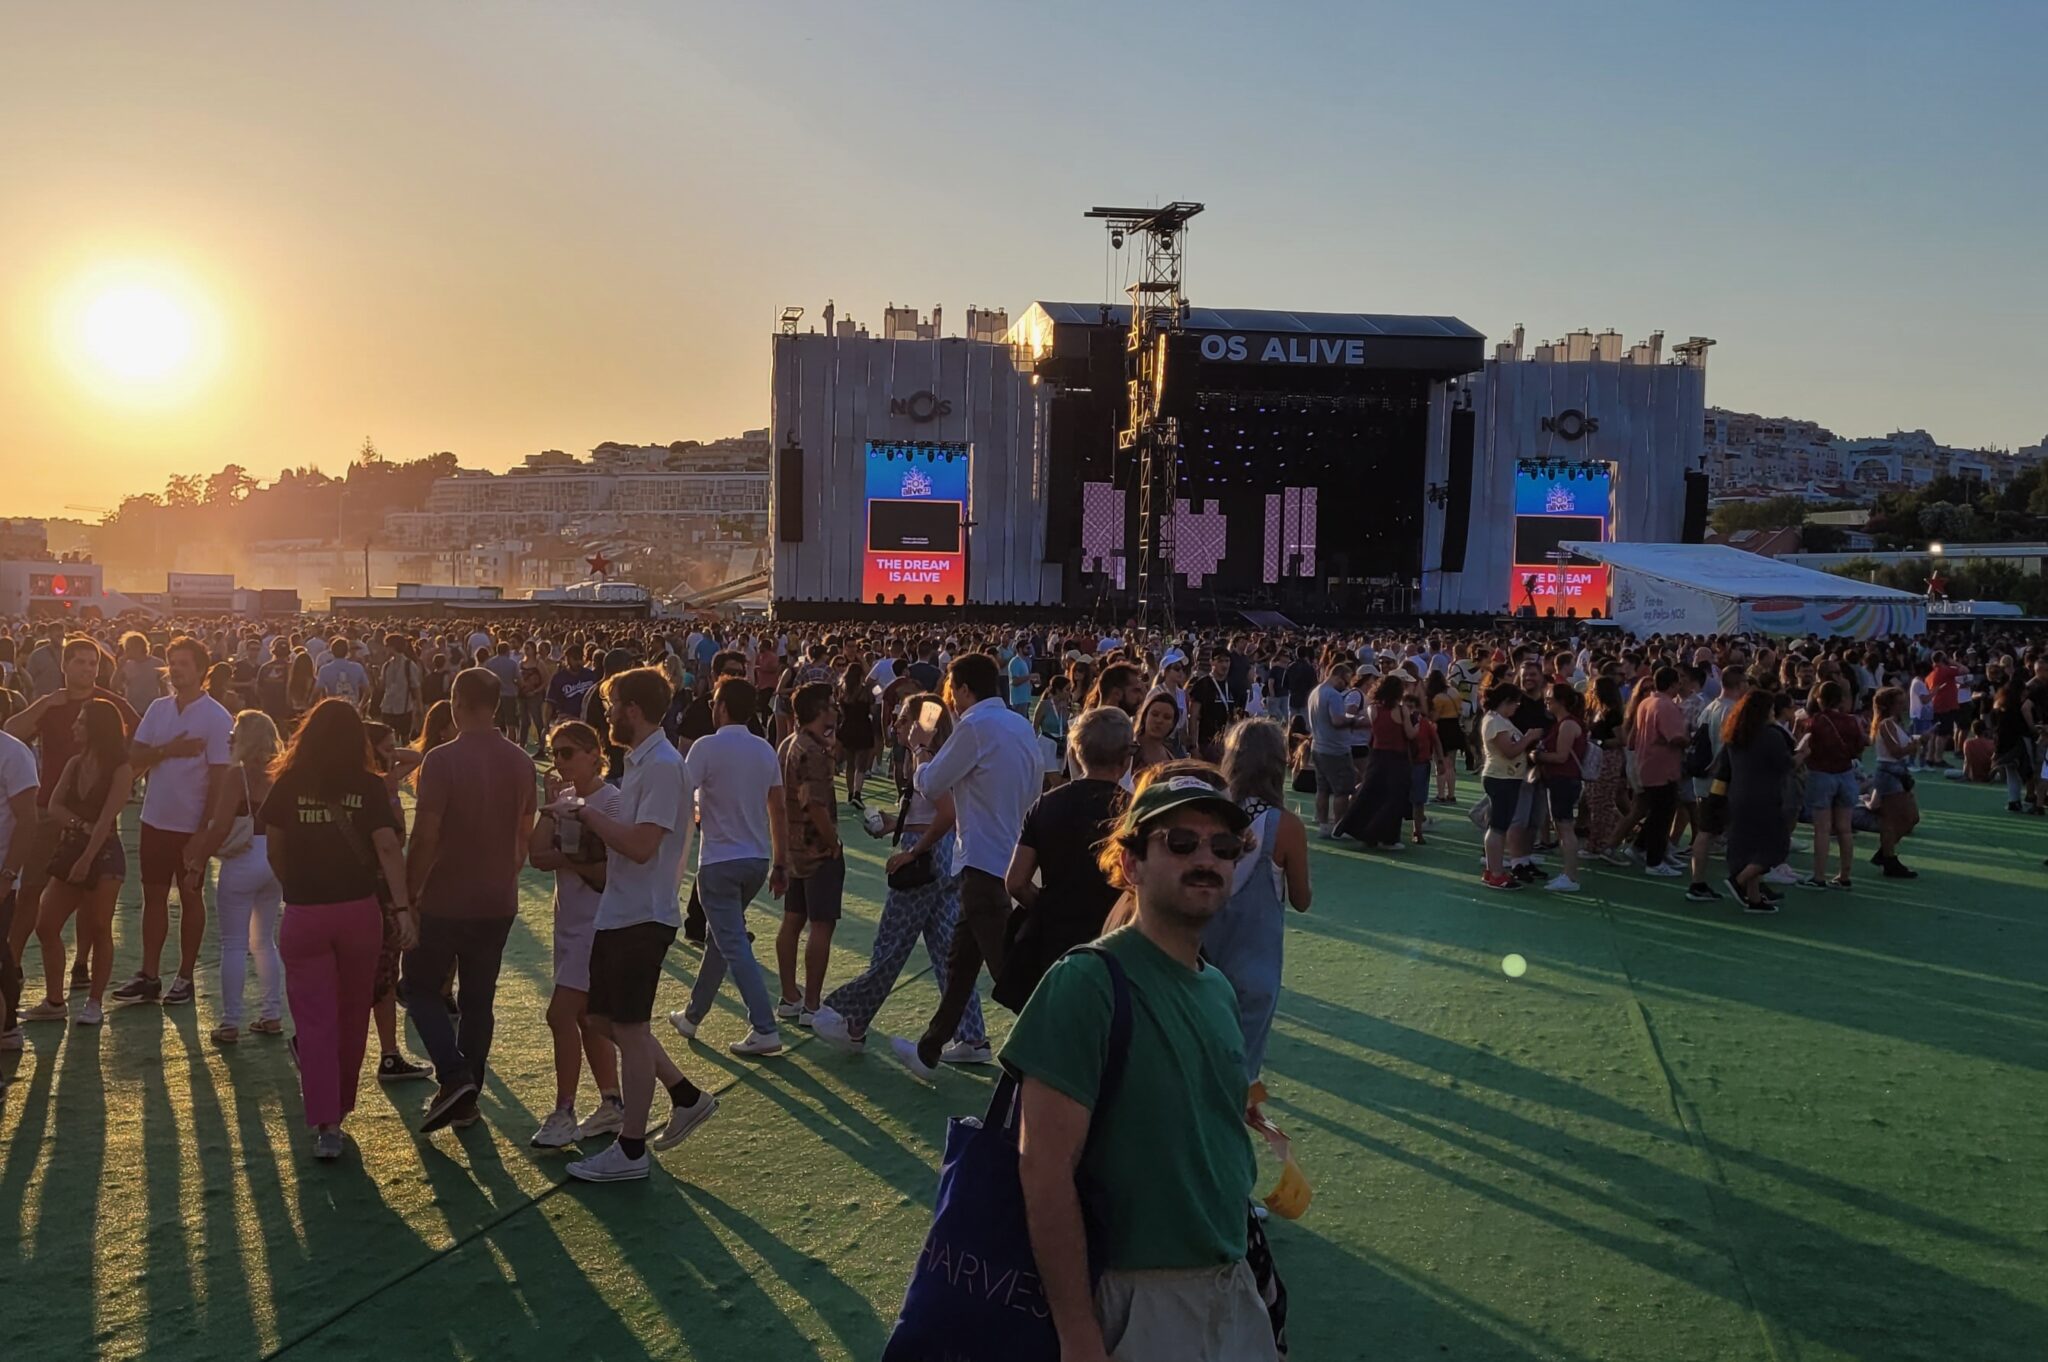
1170 1160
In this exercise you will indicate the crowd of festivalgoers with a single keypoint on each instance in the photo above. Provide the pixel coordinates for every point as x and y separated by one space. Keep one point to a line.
370 797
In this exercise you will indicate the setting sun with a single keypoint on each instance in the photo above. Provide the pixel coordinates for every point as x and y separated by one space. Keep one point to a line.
137 333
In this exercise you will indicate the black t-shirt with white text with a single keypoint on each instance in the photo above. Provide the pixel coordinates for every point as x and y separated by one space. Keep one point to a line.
321 865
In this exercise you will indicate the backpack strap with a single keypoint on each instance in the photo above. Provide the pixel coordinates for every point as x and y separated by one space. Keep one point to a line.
1007 1100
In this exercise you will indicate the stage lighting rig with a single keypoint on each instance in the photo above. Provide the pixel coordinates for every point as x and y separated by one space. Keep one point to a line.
1158 309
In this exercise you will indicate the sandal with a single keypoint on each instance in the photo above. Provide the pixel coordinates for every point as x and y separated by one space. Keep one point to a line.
267 1026
227 1033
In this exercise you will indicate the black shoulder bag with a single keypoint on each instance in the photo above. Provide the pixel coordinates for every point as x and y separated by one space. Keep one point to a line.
920 870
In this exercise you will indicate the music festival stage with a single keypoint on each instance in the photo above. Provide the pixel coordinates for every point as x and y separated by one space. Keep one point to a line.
1329 465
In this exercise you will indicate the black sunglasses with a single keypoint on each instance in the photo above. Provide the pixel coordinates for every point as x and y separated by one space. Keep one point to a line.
563 753
1224 846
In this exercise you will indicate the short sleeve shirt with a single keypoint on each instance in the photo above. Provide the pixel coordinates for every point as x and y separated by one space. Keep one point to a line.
808 780
175 798
482 786
1170 1154
653 791
321 864
17 773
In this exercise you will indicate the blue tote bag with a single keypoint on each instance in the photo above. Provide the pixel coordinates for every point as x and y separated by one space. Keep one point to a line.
975 1294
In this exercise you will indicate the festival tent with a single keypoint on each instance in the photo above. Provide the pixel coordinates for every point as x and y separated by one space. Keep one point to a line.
1714 589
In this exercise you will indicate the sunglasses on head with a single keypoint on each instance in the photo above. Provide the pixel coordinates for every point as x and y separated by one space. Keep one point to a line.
1224 846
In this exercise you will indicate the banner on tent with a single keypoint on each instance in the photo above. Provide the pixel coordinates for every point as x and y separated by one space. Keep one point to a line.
1649 605
1794 615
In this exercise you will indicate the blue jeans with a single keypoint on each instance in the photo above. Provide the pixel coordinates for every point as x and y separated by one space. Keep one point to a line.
726 888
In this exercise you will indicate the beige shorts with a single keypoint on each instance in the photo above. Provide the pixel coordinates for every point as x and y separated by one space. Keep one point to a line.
1198 1315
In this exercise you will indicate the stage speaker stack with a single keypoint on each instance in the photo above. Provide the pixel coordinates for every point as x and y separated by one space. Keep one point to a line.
789 494
1694 530
1458 493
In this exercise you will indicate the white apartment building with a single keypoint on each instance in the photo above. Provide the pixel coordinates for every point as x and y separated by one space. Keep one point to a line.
1757 456
657 490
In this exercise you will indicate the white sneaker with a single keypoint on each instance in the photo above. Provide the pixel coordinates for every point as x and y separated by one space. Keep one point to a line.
1563 884
683 1120
758 1043
92 1014
558 1130
1663 870
1783 874
683 1025
608 1119
960 1052
610 1164
906 1051
788 1011
831 1028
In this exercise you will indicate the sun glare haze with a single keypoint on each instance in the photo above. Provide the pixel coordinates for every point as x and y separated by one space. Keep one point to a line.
138 334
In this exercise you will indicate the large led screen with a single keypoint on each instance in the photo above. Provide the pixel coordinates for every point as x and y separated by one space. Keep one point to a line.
916 507
1552 505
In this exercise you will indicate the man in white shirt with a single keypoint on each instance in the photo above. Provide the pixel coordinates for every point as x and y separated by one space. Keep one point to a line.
737 784
18 785
181 746
993 769
637 921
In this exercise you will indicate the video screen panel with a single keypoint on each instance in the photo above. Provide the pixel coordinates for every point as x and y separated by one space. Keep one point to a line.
915 506
1553 505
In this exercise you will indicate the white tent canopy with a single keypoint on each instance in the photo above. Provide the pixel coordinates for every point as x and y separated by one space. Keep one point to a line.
1714 589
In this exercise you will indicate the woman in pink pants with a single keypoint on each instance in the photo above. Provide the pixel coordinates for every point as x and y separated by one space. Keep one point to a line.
330 835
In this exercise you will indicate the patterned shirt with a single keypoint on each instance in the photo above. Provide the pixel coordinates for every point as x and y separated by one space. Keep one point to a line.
808 779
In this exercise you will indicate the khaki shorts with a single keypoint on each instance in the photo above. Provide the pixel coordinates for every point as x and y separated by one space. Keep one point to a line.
1201 1315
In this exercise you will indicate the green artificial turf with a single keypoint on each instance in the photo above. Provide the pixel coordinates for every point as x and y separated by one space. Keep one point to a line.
1683 1134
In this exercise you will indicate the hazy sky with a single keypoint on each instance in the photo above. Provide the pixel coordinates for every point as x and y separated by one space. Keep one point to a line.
496 228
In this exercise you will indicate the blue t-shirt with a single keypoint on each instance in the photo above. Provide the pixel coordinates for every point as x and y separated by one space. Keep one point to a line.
1020 682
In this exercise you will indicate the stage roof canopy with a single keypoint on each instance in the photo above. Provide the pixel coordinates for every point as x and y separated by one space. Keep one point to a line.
1263 321
1714 589
1257 338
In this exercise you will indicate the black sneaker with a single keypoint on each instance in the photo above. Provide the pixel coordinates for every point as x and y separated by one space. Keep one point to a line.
1701 892
141 989
81 982
178 993
1895 869
1761 906
465 1114
1770 892
399 1069
446 1105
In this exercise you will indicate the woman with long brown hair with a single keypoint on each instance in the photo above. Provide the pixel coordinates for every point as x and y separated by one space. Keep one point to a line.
329 831
89 864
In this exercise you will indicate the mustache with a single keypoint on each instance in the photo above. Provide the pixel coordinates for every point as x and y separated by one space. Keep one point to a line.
1201 879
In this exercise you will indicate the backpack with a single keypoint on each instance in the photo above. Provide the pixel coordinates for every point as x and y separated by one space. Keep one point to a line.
1699 753
1589 762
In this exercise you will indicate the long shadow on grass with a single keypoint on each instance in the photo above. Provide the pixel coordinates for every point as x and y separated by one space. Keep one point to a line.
1492 1072
66 1123
1862 1298
1388 1311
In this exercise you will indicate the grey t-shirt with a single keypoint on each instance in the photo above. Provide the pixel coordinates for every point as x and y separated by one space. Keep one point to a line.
1325 706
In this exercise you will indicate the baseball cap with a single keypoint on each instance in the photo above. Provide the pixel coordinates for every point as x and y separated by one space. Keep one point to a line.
1162 797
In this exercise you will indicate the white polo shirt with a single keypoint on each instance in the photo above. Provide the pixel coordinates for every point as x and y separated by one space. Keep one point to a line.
174 799
652 792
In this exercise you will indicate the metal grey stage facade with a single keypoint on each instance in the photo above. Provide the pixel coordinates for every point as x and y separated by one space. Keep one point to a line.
831 396
1645 420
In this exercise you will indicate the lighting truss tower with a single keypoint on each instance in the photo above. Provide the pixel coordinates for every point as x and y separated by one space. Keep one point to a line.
1158 310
